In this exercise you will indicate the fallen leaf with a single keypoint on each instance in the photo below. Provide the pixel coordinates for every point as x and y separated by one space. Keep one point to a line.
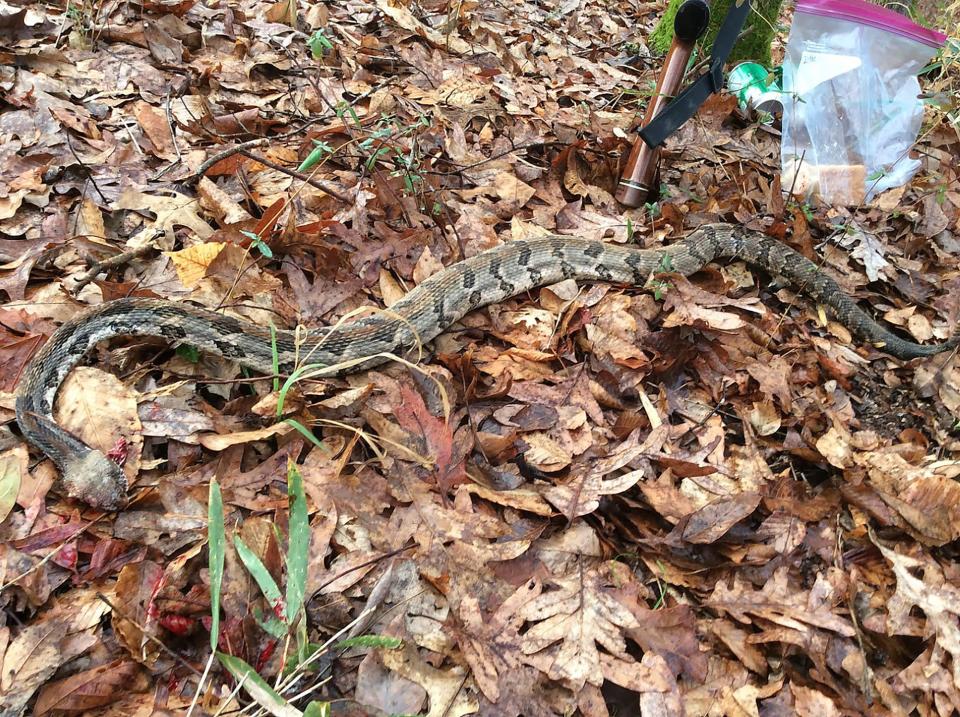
710 523
156 128
579 612
88 690
57 636
171 211
219 442
405 19
101 410
13 467
193 263
780 603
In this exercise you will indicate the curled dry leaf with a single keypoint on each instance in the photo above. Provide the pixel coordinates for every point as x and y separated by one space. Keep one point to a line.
764 418
224 208
927 500
216 442
444 686
782 603
581 494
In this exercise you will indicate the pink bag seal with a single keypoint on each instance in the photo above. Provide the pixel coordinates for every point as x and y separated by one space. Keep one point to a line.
866 13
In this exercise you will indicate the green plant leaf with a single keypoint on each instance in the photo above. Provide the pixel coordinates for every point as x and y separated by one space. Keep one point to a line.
306 432
372 161
188 352
309 653
290 381
318 43
379 641
261 692
216 544
321 149
257 242
256 568
274 357
298 543
273 625
317 709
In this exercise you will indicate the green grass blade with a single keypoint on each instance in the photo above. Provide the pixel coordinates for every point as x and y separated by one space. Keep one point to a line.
275 358
377 641
273 626
216 542
289 383
261 692
307 433
298 544
258 570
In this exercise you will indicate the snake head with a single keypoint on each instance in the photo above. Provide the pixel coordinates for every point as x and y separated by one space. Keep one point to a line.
96 480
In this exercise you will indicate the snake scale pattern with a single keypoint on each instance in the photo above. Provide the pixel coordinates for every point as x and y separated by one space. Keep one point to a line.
420 316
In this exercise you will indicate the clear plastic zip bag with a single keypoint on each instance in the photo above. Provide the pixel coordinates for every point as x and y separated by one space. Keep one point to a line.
851 111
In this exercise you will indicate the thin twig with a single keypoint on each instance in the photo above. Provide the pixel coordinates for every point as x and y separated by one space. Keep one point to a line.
318 183
172 127
494 157
229 152
110 263
86 169
243 149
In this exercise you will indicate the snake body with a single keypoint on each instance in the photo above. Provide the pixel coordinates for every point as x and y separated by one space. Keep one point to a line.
421 315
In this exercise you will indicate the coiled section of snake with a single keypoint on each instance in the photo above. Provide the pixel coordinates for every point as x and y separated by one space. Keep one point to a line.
420 316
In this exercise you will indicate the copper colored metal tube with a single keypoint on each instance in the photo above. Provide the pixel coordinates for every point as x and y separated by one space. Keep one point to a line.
640 172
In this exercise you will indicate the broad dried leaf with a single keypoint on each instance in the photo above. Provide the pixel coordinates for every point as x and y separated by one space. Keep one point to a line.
101 410
444 686
88 690
13 469
434 435
711 522
581 495
136 587
193 263
220 442
579 613
157 129
405 19
55 637
491 644
927 498
781 603
171 211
